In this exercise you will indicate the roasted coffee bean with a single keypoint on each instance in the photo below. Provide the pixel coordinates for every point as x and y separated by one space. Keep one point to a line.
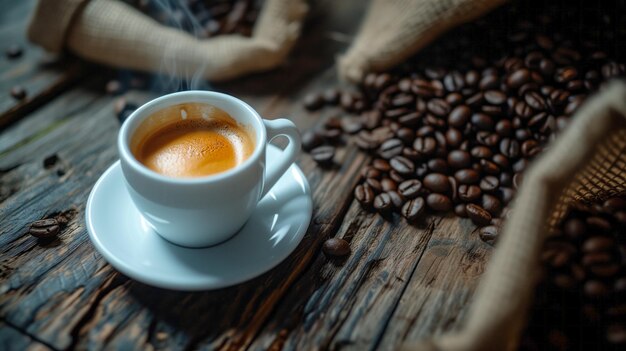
439 202
491 204
313 102
518 78
381 165
323 155
535 100
454 137
402 165
495 97
396 199
407 135
425 146
478 215
331 135
370 172
459 159
331 96
437 182
374 184
469 193
351 125
437 165
482 121
410 189
391 148
438 107
13 51
467 176
413 209
459 116
489 167
489 234
388 184
480 152
45 228
364 194
460 211
311 140
18 93
509 147
382 202
489 184
336 247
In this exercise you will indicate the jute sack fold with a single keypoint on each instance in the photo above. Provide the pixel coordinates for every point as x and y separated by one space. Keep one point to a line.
114 33
586 163
394 30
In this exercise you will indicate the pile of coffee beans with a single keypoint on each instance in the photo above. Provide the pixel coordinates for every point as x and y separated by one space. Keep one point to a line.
581 301
204 18
454 128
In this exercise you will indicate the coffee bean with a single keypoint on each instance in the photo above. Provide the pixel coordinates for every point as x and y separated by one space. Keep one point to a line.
18 93
313 102
439 202
402 100
535 100
480 152
489 184
437 182
597 244
351 125
323 155
454 138
459 116
467 176
364 194
437 165
331 96
489 234
425 146
438 107
410 189
331 135
402 165
413 209
509 147
311 140
13 51
459 159
469 193
489 167
478 215
391 148
382 202
460 211
336 247
44 228
381 165
482 121
495 97
518 78
491 204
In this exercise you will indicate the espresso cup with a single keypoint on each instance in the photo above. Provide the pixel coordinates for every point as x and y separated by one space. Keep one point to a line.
207 210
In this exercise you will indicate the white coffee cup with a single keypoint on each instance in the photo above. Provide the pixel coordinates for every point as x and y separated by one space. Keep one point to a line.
204 211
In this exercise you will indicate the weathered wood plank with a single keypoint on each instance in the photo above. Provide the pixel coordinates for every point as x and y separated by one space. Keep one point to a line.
12 339
438 293
42 75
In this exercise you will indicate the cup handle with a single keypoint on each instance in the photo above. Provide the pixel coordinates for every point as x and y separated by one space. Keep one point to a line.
275 128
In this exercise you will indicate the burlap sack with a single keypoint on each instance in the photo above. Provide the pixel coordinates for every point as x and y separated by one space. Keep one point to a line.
586 163
394 30
114 33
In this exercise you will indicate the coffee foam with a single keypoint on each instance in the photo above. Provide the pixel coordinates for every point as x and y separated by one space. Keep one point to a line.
202 140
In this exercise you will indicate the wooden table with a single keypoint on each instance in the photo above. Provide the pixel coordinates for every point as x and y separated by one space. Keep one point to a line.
400 283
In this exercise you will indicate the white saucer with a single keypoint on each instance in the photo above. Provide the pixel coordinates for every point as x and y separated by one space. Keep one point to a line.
119 233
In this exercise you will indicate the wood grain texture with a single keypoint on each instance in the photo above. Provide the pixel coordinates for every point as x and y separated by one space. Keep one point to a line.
401 282
42 75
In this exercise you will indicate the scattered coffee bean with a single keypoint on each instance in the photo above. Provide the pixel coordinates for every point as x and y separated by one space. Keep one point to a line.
478 215
413 209
382 202
311 139
489 234
439 202
14 51
323 155
336 247
364 194
313 102
18 93
44 228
